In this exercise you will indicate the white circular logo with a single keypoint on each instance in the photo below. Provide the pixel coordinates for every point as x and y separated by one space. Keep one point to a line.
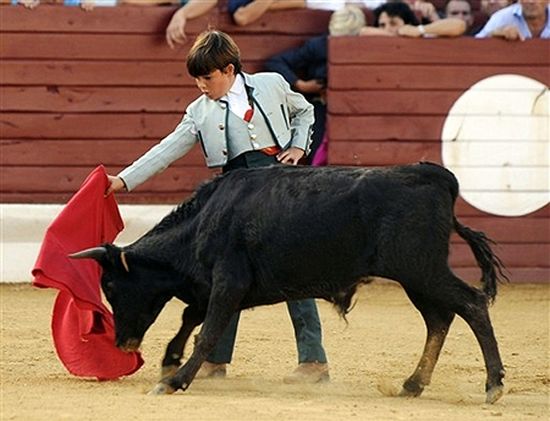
496 141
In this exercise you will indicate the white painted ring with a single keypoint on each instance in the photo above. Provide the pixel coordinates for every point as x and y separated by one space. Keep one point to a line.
496 141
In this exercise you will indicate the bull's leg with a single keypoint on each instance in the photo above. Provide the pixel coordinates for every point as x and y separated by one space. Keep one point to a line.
230 282
471 304
473 308
191 318
437 322
217 318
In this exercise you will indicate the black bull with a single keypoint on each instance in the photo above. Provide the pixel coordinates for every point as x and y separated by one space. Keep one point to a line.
262 236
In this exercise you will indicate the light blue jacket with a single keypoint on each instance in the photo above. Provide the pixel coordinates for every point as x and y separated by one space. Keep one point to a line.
513 15
289 118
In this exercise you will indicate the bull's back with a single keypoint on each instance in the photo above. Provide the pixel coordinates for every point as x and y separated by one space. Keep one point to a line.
333 218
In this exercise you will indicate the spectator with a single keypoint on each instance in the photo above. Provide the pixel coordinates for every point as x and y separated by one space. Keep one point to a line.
397 19
152 2
241 121
29 4
519 21
245 12
489 7
422 8
461 9
305 67
175 31
84 4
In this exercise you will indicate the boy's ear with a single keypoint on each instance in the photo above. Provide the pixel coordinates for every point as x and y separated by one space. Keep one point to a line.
229 69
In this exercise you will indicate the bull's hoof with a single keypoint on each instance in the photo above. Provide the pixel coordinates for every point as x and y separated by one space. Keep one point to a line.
405 393
168 371
494 394
411 389
162 389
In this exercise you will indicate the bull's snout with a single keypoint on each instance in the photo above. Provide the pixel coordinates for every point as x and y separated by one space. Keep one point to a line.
129 345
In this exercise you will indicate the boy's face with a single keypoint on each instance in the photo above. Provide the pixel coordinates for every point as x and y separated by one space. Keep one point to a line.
217 83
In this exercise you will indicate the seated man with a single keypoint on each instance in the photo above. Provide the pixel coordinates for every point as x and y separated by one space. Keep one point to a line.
519 21
461 9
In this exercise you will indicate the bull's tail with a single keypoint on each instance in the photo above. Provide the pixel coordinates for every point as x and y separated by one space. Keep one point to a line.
492 268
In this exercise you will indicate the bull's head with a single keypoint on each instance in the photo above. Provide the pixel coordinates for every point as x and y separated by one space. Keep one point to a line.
129 287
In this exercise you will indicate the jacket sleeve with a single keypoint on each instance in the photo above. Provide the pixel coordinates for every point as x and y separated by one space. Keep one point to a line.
300 114
159 157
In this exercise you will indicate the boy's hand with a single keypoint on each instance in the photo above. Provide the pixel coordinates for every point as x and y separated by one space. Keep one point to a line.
291 156
115 184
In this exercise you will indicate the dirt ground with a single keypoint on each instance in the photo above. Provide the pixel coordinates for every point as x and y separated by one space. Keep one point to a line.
380 346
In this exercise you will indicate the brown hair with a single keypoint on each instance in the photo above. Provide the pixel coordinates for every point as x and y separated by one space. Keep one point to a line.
213 50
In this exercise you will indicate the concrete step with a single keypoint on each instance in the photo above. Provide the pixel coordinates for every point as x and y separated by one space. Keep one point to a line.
22 229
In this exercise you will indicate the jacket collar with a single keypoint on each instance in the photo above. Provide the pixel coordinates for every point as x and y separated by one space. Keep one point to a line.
248 83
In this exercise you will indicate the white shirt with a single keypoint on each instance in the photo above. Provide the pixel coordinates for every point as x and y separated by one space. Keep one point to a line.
237 98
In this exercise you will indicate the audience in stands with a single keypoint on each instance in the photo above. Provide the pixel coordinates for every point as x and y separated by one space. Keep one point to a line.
305 68
519 21
461 9
397 19
245 12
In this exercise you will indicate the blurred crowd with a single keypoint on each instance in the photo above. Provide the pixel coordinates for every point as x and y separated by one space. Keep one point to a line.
508 19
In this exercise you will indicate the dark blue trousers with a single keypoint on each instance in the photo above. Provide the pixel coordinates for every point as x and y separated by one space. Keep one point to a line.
303 313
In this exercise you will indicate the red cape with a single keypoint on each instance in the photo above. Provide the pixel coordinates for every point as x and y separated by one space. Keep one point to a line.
82 326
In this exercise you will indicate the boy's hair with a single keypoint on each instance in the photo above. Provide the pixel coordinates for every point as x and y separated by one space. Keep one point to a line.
396 9
213 50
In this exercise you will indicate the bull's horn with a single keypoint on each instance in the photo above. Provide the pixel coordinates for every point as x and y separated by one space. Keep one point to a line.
91 253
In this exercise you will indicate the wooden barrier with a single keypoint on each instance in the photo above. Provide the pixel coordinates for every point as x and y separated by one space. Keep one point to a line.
79 89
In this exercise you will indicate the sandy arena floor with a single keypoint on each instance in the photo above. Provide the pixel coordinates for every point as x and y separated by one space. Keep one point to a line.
380 345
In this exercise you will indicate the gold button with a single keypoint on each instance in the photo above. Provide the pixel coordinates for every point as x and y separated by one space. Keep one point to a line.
253 136
221 126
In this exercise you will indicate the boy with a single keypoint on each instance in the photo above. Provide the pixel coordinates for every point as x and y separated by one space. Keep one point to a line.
241 121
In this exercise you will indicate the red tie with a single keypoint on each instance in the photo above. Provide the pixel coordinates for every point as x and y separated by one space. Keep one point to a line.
248 115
